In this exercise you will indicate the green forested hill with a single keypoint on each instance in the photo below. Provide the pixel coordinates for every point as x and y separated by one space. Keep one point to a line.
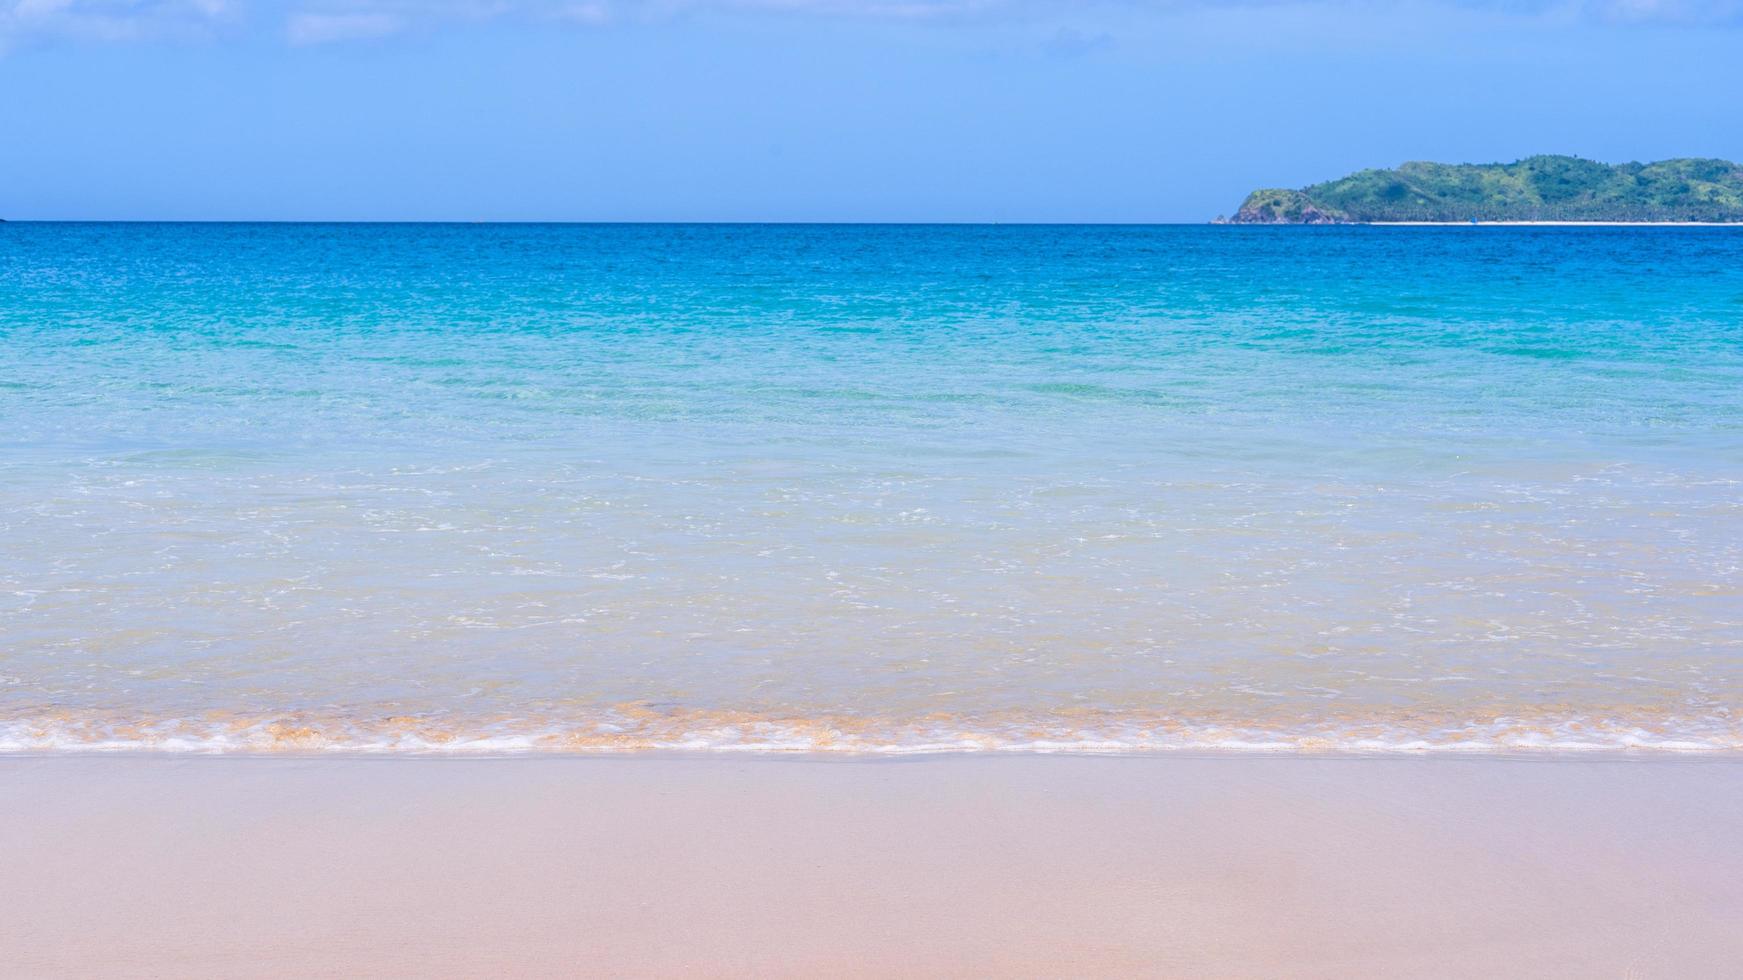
1540 188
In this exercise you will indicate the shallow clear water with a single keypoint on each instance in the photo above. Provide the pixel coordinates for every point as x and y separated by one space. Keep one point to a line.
418 488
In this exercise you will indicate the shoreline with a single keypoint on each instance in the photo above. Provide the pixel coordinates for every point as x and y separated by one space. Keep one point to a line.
1485 224
1556 224
1237 866
818 753
636 728
758 756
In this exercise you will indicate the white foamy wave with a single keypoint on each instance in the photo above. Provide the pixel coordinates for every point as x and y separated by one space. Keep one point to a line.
633 729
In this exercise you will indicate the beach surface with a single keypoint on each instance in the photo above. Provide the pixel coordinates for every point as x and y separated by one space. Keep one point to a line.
1230 866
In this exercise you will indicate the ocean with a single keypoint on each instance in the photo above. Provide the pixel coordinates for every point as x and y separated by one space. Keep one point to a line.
870 489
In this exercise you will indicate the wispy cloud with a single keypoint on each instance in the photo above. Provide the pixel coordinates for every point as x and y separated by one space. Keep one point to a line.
109 20
305 22
321 28
591 14
1685 12
1669 11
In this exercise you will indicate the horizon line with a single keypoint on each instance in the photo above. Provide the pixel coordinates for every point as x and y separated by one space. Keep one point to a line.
575 221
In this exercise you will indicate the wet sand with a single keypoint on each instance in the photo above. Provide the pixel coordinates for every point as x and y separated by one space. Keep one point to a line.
1229 866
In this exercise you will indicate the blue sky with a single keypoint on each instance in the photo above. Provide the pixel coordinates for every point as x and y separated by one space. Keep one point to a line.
854 110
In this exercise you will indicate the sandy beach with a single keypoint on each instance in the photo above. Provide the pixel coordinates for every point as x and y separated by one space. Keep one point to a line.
1020 866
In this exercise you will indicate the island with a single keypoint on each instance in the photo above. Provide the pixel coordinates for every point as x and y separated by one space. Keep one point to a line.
1539 189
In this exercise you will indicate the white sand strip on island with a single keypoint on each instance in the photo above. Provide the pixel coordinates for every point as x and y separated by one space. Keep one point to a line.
1554 224
1019 866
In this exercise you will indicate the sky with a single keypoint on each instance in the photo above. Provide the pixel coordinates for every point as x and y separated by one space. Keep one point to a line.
820 110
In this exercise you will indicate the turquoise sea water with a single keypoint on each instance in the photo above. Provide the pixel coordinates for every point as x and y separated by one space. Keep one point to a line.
491 488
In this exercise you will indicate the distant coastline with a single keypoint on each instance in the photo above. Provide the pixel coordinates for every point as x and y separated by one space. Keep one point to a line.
1501 224
1552 224
1540 190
